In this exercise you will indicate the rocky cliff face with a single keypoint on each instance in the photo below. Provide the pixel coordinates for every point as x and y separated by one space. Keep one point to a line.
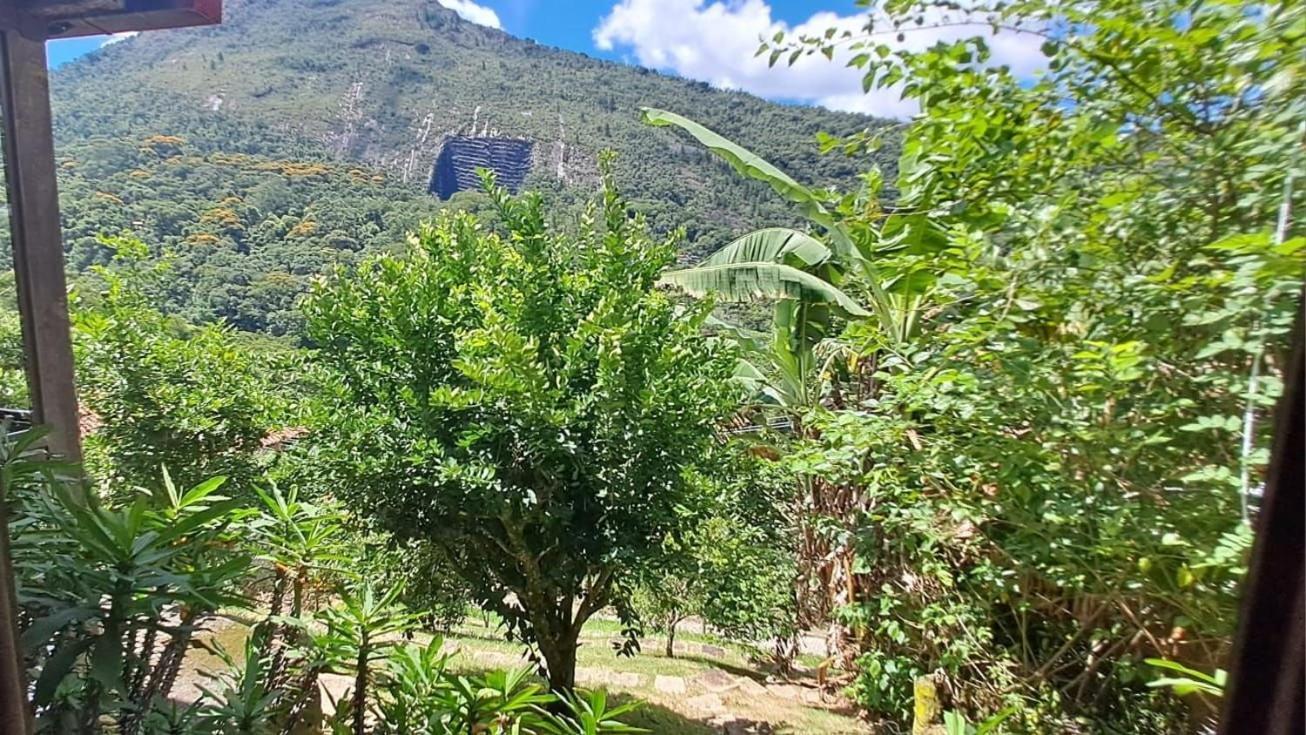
460 157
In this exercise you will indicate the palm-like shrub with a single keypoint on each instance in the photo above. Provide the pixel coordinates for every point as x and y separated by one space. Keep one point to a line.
419 695
111 596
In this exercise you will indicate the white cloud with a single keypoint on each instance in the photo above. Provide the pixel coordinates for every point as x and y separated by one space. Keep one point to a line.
716 41
470 10
116 37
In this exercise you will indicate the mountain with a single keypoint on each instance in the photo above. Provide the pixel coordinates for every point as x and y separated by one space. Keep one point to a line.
300 133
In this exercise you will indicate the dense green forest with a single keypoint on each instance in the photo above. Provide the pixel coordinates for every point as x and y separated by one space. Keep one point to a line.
986 456
259 153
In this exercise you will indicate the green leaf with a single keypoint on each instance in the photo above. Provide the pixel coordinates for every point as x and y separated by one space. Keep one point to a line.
56 668
760 280
775 244
197 520
740 158
41 630
954 723
106 662
201 491
1167 664
991 723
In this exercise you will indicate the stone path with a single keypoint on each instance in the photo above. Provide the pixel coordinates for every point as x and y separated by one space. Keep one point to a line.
669 684
708 703
716 680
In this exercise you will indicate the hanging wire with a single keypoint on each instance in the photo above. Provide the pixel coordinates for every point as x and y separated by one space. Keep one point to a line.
1249 407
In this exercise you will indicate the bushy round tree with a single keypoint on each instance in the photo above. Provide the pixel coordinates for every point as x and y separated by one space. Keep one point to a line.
525 399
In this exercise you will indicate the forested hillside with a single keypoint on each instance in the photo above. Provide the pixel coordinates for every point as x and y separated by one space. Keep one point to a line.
302 132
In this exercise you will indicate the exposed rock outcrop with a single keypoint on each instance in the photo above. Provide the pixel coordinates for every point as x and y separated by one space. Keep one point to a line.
460 157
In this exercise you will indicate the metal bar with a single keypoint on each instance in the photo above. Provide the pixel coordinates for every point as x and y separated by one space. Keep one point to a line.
37 239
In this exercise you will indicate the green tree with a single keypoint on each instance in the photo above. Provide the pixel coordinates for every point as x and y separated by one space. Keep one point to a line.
795 369
528 402
13 362
162 393
734 567
1061 473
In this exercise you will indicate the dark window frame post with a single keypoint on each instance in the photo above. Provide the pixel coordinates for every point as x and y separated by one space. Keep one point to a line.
37 237
1267 668
35 229
42 304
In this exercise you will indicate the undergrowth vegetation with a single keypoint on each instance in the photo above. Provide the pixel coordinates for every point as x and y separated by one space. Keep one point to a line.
114 594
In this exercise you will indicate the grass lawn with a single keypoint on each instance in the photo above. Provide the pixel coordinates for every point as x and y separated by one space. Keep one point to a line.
718 679
709 682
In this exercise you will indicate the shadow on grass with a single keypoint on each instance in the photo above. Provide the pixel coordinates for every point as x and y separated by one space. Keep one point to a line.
474 636
659 720
716 663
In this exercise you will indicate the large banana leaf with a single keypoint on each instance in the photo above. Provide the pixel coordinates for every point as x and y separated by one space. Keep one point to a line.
745 162
755 167
774 244
760 279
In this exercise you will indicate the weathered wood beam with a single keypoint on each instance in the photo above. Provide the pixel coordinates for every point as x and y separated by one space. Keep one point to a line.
38 246
15 717
42 304
1268 665
59 8
37 239
71 18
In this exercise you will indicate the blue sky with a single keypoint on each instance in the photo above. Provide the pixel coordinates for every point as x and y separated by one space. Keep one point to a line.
573 28
707 40
538 19
61 52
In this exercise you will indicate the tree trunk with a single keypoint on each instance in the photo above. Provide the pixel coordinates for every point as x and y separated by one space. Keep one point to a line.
784 650
303 713
165 671
297 600
671 638
360 689
560 660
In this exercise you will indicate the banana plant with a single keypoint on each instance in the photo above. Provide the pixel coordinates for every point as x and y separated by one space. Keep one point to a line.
809 281
775 262
785 264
